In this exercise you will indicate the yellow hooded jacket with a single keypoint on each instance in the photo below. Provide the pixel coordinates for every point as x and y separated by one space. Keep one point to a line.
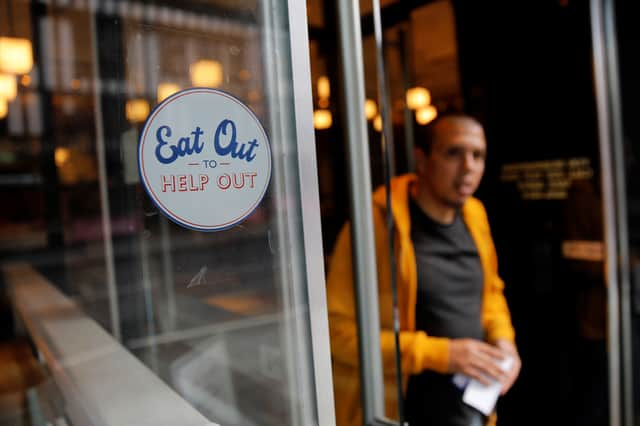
419 351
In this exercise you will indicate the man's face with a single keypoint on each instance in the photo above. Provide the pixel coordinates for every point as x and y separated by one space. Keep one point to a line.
452 171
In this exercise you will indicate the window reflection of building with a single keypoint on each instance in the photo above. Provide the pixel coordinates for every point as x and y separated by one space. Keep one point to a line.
68 166
52 120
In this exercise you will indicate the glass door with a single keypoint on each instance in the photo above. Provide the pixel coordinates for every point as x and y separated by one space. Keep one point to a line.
159 173
547 186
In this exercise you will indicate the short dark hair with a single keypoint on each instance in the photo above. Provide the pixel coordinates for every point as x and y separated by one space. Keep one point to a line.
426 135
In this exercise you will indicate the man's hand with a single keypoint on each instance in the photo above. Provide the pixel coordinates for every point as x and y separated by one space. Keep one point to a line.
509 348
478 360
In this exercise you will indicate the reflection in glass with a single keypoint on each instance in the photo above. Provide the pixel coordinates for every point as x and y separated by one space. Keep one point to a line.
221 318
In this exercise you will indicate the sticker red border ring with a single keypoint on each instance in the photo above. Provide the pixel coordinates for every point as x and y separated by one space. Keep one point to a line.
144 179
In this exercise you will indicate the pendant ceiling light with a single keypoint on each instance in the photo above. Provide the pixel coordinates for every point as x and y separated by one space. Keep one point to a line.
377 123
15 55
4 107
418 97
165 90
206 73
137 110
8 86
322 119
370 109
426 115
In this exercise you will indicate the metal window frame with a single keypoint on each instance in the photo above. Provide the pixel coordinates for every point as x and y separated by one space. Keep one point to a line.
620 195
609 110
362 230
310 205
105 217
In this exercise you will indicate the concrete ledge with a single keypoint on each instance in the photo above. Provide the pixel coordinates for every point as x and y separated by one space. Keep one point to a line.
101 381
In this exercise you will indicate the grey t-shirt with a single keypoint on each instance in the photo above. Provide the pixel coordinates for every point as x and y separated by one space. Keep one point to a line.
449 304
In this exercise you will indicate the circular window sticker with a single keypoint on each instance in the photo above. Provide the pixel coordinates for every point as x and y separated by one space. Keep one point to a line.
204 159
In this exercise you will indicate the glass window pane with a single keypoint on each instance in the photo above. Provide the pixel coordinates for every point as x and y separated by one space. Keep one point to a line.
222 317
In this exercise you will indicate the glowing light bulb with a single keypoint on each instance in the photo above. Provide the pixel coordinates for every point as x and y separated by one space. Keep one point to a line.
206 73
137 110
370 109
165 90
418 97
322 119
61 155
4 107
324 88
426 115
377 123
8 87
16 55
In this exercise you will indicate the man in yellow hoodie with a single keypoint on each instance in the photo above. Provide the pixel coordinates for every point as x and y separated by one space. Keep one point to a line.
453 314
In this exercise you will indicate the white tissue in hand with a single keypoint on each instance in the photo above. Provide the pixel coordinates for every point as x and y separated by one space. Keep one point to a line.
484 397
